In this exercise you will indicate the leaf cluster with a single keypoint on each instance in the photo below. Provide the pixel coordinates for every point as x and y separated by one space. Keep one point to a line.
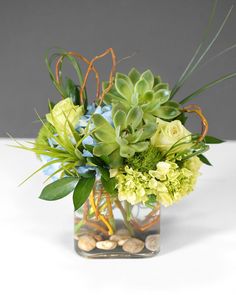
66 87
144 90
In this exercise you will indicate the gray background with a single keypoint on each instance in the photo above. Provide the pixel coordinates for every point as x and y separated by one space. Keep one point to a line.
162 33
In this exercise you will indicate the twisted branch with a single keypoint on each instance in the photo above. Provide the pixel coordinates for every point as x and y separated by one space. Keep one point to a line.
79 56
113 56
194 108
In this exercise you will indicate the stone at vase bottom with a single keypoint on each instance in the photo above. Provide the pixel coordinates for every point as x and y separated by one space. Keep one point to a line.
108 228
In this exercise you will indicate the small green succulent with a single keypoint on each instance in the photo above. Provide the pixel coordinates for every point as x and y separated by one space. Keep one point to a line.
144 90
130 134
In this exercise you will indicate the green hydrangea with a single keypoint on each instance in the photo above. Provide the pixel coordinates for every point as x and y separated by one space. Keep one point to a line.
169 182
133 186
146 160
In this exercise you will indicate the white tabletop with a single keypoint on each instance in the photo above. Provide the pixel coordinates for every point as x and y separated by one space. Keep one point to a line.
198 238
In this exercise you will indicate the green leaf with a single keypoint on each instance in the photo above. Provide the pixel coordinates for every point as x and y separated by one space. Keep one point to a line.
157 80
195 61
82 191
63 54
134 99
161 86
112 95
126 151
148 96
124 86
105 173
89 147
212 140
173 104
198 152
41 168
149 118
204 160
51 105
162 96
134 117
148 131
72 91
141 87
182 118
109 184
104 149
104 136
44 133
119 119
77 69
59 189
148 76
207 86
103 131
88 174
134 75
132 137
49 61
224 51
167 112
140 146
115 160
95 160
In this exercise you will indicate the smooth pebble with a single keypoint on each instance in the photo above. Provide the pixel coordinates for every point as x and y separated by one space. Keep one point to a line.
121 242
123 232
86 243
152 242
133 246
117 238
106 245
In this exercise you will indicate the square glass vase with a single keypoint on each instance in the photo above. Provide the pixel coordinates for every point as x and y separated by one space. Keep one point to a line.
108 228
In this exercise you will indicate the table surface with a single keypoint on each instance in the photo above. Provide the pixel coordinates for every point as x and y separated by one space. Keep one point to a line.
198 238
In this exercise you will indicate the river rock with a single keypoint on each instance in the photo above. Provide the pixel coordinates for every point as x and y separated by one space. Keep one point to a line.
122 241
152 242
106 245
133 246
122 232
117 238
86 243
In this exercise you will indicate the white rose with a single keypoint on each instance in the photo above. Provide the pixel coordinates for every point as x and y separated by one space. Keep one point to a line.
63 112
168 133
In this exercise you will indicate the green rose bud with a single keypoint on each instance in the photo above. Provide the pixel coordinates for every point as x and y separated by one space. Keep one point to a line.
168 133
62 113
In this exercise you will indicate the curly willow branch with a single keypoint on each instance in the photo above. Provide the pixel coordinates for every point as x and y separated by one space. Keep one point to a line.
84 59
194 108
113 56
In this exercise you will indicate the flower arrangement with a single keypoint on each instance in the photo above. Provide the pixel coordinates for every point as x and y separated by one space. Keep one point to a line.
128 148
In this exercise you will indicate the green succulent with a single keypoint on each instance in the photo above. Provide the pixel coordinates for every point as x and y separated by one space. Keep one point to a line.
128 136
144 90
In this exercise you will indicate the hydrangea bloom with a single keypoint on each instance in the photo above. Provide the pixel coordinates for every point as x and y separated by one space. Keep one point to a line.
169 182
49 170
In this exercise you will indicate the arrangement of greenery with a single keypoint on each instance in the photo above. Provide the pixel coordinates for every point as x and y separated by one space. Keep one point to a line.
132 137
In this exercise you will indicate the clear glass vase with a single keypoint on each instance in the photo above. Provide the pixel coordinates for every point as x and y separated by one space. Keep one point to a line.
108 228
